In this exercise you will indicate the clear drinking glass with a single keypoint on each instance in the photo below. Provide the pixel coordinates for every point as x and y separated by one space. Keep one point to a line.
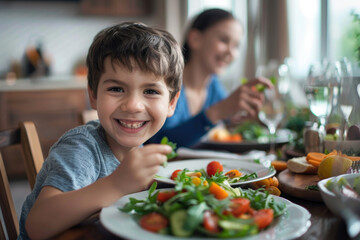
273 109
271 113
318 90
348 92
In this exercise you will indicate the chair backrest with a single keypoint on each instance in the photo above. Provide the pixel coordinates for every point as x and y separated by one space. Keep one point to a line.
26 136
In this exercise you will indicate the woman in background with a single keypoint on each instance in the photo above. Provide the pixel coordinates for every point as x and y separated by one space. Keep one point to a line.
211 44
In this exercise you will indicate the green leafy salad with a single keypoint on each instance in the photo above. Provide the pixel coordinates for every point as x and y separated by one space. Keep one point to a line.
208 208
343 186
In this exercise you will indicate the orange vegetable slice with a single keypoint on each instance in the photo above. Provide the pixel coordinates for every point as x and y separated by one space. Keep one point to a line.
274 181
279 165
315 156
314 163
273 190
218 191
233 173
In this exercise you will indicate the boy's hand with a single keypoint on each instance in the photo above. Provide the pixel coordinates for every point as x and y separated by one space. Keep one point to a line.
139 166
173 153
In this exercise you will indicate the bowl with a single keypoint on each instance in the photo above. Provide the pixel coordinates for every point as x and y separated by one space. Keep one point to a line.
338 202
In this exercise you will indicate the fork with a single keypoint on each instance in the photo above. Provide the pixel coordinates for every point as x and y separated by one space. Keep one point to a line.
355 167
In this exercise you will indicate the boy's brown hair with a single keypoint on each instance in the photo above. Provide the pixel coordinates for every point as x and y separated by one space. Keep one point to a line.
152 50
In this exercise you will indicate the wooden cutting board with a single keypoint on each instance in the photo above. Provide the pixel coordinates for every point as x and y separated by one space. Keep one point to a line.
295 185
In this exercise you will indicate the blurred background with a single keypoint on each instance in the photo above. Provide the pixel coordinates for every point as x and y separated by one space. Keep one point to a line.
302 31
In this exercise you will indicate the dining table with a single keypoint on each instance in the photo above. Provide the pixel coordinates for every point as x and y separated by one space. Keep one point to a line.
324 224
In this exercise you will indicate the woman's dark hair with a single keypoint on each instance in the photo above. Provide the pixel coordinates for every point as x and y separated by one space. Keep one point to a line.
203 21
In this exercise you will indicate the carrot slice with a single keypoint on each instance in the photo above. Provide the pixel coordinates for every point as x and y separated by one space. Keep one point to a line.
315 156
279 165
353 158
218 191
314 163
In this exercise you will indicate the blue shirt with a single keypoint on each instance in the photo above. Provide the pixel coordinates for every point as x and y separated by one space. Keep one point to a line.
79 158
185 129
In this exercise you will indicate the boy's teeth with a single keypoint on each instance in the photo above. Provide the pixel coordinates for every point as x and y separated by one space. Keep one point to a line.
131 125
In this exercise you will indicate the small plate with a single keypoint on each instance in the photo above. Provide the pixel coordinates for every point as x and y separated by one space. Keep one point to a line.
164 174
292 224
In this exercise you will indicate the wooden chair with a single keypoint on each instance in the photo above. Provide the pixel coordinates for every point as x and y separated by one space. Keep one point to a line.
26 136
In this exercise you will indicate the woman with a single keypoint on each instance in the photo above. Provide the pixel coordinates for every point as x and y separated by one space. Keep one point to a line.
211 44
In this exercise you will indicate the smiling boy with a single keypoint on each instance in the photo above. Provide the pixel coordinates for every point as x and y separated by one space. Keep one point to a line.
134 81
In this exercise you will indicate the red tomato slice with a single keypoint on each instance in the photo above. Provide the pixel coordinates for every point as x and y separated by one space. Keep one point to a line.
214 167
175 173
263 217
153 222
239 206
164 196
210 222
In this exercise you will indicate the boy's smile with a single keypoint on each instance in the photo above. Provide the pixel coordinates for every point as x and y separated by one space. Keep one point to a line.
132 105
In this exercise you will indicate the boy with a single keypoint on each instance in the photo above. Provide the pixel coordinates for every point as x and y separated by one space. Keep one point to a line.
134 81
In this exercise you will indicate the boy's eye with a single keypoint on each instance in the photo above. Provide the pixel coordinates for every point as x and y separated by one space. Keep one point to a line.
151 91
116 89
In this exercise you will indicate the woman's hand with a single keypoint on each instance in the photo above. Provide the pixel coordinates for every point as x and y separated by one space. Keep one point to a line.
139 166
245 101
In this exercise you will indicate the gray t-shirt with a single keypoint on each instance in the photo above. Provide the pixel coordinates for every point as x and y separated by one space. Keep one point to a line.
79 158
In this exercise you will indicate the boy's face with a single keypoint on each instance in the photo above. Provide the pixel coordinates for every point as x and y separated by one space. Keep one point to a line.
132 106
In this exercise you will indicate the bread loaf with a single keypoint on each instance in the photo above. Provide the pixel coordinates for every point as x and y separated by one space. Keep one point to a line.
300 165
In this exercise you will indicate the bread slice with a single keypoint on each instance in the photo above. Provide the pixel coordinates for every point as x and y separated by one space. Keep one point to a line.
300 165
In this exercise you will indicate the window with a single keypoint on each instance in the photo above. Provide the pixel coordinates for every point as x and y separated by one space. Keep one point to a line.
320 29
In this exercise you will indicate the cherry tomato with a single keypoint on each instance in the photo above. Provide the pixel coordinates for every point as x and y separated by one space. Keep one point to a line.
210 222
164 196
214 167
153 222
263 217
239 206
175 173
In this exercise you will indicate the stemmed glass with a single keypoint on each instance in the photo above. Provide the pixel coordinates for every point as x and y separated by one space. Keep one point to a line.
318 92
273 108
272 113
347 92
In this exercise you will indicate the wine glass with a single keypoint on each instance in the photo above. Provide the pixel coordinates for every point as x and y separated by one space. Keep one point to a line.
348 92
272 113
273 109
318 92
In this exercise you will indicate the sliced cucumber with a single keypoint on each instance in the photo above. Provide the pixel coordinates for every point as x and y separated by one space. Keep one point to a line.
231 225
177 222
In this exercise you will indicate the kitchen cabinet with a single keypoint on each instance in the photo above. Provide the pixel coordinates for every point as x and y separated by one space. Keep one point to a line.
54 107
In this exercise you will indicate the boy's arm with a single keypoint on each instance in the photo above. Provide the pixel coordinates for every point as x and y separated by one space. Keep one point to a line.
55 211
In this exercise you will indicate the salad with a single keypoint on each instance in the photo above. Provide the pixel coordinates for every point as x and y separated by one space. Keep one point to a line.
214 172
341 185
205 207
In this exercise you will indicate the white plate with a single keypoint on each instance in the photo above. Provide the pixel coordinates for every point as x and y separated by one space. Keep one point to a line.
283 137
164 174
292 224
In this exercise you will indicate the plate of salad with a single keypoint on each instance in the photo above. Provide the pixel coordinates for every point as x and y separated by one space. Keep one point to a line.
234 172
211 211
242 139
